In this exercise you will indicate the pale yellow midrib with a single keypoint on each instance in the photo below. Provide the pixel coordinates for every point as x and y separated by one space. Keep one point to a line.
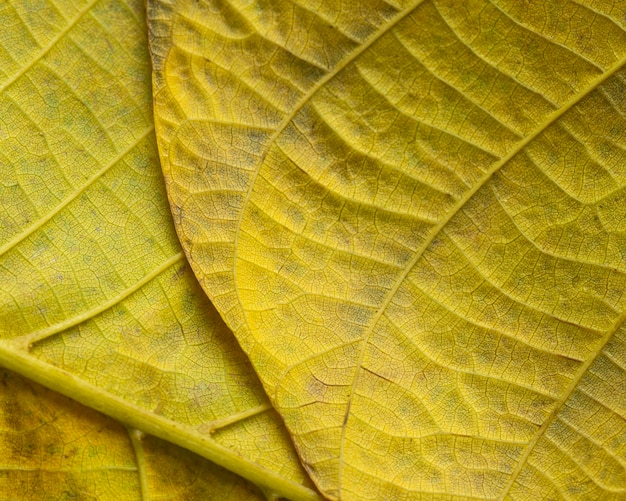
14 358
550 119
75 194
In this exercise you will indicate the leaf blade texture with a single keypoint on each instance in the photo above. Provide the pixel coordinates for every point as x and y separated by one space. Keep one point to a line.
96 298
412 216
54 448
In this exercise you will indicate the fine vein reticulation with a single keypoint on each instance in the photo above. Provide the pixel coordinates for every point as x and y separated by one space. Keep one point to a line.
96 298
412 216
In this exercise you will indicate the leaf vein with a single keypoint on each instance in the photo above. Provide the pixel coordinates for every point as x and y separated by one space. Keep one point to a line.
47 49
38 224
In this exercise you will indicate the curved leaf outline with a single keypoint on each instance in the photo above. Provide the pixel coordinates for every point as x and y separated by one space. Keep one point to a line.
96 299
412 217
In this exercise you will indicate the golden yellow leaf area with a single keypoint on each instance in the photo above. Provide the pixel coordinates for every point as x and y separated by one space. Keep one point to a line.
96 298
413 216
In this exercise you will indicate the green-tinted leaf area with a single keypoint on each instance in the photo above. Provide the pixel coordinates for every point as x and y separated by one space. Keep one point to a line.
96 298
54 448
413 216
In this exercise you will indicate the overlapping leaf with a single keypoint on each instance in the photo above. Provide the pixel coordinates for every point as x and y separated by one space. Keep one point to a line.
413 216
96 299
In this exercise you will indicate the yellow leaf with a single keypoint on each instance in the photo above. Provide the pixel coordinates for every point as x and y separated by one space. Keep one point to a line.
96 299
413 216
53 448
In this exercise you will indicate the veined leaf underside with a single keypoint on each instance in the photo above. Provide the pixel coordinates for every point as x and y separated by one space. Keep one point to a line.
415 230
96 299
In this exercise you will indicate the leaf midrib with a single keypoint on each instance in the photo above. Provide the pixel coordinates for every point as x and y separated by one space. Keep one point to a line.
15 358
549 120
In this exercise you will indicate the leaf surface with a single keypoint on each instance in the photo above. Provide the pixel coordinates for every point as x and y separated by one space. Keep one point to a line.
54 448
413 217
96 298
